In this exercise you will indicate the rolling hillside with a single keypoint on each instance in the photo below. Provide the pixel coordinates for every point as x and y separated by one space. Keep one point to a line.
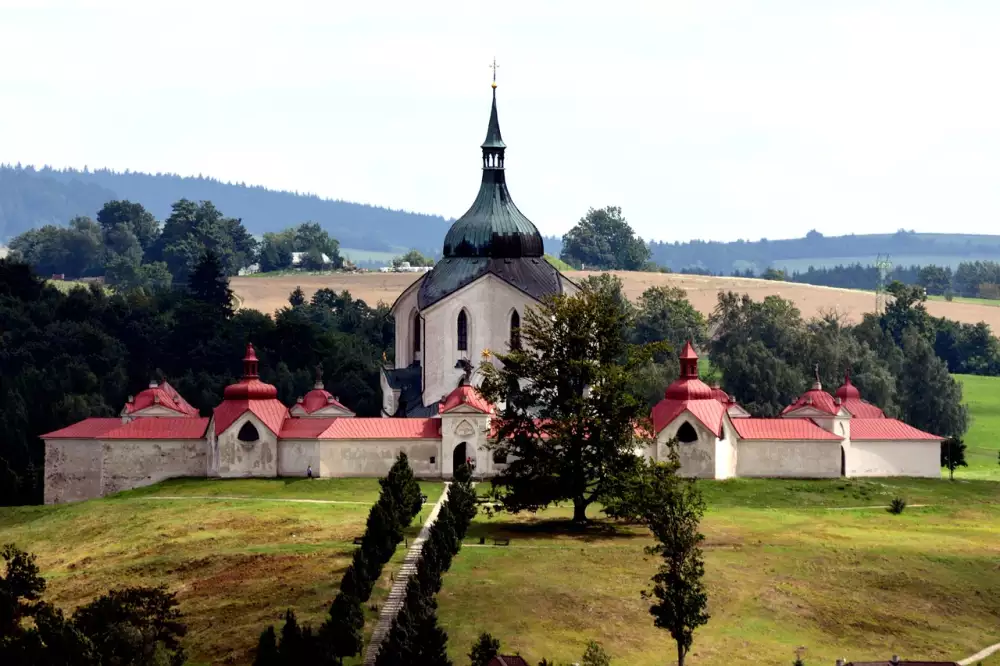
267 294
30 198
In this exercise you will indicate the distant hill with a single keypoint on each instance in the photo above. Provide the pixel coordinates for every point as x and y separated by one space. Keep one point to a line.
30 198
905 248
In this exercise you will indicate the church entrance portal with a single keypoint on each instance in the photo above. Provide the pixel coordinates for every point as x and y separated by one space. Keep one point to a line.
459 457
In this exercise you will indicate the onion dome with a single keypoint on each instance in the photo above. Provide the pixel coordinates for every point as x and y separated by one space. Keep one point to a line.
250 387
816 398
847 390
493 227
688 386
319 397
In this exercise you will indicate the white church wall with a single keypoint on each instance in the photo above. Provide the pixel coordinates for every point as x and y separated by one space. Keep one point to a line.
725 452
130 464
242 459
488 303
374 457
403 310
805 459
72 470
697 457
472 428
894 458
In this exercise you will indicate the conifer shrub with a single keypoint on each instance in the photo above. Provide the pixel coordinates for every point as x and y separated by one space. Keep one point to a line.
897 506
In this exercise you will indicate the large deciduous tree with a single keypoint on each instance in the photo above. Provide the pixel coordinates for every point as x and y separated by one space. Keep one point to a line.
568 417
193 228
603 239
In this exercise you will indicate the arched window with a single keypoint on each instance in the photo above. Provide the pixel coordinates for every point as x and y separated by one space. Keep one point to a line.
463 331
515 330
248 433
415 322
686 433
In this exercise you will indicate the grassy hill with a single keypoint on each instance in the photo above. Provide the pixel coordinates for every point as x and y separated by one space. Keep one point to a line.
982 394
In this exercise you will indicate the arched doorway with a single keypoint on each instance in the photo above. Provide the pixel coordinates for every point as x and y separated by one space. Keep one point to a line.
459 456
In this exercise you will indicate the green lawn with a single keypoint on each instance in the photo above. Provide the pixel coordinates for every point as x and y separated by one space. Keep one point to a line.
235 564
859 583
982 394
966 299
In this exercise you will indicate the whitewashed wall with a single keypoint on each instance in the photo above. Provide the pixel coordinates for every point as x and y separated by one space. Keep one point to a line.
135 463
895 458
698 457
471 427
374 457
240 459
72 470
402 310
806 459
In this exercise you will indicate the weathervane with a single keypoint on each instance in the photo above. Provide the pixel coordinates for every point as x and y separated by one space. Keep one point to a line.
494 68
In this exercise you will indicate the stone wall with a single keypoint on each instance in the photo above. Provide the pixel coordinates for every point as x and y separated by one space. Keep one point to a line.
374 457
133 464
698 457
806 459
72 470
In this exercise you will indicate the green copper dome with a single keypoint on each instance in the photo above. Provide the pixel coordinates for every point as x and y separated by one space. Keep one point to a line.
493 227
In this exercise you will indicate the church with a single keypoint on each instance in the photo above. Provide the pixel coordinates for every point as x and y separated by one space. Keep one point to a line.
492 270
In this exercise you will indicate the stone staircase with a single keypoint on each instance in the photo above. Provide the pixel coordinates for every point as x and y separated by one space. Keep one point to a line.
391 606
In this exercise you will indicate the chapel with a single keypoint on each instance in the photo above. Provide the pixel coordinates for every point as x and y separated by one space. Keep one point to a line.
492 271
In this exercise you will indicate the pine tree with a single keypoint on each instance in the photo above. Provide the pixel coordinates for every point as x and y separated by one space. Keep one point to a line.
953 455
595 655
402 486
483 650
341 634
208 283
267 649
297 297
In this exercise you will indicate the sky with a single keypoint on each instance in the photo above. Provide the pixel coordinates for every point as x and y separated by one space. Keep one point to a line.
715 120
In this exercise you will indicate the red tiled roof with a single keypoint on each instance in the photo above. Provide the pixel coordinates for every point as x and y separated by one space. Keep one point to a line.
304 428
171 427
85 429
886 429
465 395
861 409
508 660
688 351
163 395
816 398
781 429
317 399
688 389
272 413
379 428
708 411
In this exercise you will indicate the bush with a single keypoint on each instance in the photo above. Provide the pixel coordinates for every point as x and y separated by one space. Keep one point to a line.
897 506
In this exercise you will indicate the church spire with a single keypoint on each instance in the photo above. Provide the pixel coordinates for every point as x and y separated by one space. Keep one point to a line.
493 146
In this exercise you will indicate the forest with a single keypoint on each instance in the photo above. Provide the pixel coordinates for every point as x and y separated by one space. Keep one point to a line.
31 198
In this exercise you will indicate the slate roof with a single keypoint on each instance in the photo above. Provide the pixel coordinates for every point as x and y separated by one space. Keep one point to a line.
781 429
409 382
532 275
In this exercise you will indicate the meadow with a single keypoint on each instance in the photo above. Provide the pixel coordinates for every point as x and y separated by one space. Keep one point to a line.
982 395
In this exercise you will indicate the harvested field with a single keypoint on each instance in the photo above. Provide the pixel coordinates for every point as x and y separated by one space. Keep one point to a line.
269 294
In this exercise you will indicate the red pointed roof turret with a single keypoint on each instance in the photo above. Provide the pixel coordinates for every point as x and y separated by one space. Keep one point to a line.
250 387
689 361
847 389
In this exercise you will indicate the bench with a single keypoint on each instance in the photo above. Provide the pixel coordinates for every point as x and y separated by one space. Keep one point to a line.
501 542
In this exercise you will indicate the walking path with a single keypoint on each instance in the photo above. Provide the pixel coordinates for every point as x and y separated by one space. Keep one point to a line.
979 656
398 592
249 499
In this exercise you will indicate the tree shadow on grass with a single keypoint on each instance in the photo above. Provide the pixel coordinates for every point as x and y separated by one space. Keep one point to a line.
536 529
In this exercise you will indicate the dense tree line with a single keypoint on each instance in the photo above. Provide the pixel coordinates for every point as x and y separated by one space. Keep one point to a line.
138 626
31 198
65 357
340 636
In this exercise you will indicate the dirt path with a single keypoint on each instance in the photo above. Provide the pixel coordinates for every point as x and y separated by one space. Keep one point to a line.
979 656
249 499
270 294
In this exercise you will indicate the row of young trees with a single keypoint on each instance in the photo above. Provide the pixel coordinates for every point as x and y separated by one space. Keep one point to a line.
69 356
135 625
415 636
340 636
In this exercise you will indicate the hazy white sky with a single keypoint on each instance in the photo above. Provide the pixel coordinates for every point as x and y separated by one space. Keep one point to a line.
719 120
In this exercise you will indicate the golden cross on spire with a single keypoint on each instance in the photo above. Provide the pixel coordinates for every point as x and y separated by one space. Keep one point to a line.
494 68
